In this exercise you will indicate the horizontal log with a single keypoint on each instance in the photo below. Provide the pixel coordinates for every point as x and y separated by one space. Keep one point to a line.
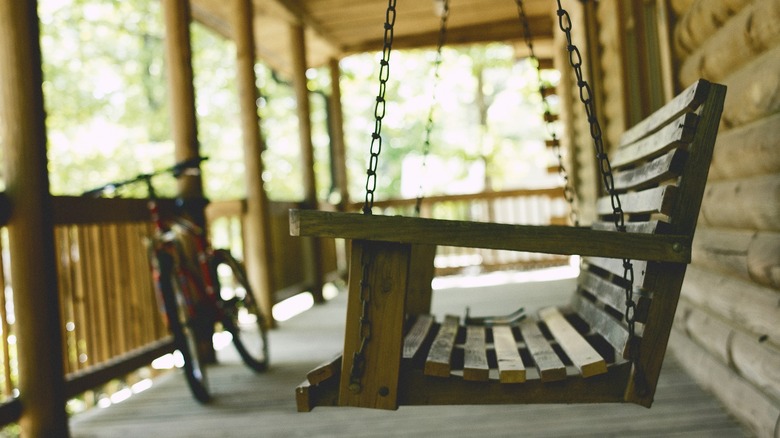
700 21
744 304
750 255
753 91
749 150
545 239
742 399
754 30
751 203
754 360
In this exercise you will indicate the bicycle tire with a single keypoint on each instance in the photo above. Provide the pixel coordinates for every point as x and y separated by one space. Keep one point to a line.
241 315
182 327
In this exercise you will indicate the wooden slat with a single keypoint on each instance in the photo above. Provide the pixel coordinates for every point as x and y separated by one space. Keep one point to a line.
546 239
655 200
417 335
661 169
510 365
547 362
687 101
584 357
670 136
325 370
612 294
602 323
643 227
475 364
615 266
438 361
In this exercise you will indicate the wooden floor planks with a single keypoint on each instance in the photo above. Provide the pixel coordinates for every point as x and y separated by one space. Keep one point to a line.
250 405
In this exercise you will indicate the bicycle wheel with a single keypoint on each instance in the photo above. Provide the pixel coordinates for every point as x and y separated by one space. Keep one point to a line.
241 315
182 326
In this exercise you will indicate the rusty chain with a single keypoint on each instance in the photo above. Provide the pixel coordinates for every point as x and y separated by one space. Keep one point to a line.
359 357
586 97
380 107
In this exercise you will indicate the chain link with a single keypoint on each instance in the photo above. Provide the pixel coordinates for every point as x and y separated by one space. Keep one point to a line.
359 357
568 190
586 97
445 13
380 108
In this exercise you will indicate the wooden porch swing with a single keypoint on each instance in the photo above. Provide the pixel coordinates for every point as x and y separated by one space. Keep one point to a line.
606 345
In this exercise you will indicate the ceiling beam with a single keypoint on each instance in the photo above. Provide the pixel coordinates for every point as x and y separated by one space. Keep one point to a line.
507 30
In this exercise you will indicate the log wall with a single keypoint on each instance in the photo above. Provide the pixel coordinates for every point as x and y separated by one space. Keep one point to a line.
726 333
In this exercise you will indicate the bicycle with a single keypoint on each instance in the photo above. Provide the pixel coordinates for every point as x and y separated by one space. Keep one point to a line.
185 271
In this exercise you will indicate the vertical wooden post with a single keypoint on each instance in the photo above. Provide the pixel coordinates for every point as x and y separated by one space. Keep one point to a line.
30 228
182 90
257 246
339 153
184 120
298 45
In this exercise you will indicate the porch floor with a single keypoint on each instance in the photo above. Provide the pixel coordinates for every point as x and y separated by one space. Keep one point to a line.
263 405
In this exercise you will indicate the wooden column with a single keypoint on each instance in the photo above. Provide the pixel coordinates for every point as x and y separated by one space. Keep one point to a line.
30 228
184 121
182 91
339 154
298 45
257 244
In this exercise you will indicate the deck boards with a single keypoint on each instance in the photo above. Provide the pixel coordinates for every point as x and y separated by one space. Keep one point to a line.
249 405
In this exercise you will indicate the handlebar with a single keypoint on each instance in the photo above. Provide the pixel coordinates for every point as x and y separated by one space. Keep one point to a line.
191 166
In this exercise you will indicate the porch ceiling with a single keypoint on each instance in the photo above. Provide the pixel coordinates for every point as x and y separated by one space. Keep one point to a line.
335 28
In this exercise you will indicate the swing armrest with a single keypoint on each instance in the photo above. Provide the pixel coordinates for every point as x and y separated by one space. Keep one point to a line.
529 238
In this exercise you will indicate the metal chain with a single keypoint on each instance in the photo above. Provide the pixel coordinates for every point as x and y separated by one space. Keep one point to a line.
568 190
379 108
359 357
586 97
445 13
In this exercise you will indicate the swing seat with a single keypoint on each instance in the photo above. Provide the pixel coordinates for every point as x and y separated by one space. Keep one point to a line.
574 353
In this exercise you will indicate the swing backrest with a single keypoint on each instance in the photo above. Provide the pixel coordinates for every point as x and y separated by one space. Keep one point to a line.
660 168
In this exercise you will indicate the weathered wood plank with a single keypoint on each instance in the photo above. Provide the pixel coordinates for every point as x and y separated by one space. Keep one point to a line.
603 324
615 266
584 357
475 365
661 169
690 99
510 365
612 294
439 356
654 200
673 135
549 365
547 239
417 335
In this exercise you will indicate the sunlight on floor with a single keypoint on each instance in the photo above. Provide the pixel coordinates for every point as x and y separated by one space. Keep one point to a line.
302 302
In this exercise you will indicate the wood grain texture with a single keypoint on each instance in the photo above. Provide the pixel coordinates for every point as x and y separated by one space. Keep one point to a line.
510 365
585 358
475 364
439 356
547 362
547 239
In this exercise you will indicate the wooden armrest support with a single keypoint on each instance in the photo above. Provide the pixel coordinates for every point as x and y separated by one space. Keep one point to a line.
530 238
